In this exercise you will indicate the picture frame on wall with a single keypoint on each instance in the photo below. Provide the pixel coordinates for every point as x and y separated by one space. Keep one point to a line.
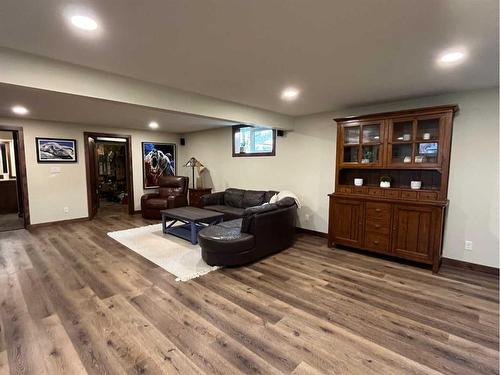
158 159
56 150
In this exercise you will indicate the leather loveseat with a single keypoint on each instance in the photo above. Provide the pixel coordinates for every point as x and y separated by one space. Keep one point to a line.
263 230
171 193
233 202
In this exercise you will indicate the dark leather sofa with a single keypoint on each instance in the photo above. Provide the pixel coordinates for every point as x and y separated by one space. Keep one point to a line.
262 231
233 202
171 193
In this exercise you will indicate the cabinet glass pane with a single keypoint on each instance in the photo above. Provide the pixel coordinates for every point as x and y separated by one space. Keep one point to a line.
428 129
426 152
402 131
371 133
351 135
401 153
370 154
351 154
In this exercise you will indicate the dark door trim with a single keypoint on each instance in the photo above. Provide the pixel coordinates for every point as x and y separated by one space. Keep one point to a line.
128 162
22 180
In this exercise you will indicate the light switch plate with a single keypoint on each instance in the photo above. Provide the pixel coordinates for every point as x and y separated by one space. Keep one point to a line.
54 170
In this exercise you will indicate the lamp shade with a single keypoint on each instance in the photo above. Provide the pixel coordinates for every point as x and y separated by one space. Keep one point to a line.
191 163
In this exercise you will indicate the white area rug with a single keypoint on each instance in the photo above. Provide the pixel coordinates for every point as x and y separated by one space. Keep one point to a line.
175 255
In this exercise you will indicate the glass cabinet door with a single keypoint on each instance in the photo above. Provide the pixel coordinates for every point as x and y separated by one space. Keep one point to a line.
428 134
362 144
351 144
414 142
371 140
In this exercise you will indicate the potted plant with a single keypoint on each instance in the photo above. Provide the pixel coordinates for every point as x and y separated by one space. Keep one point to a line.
367 157
385 181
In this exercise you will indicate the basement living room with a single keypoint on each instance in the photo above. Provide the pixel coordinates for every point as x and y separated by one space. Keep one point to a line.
248 187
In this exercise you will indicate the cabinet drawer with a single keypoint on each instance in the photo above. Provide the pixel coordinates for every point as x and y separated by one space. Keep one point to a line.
409 194
378 226
391 193
376 192
378 211
360 190
428 195
377 241
344 189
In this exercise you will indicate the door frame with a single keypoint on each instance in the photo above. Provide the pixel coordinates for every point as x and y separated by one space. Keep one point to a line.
21 177
128 163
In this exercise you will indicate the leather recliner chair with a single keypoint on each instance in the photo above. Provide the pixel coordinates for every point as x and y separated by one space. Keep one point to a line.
171 193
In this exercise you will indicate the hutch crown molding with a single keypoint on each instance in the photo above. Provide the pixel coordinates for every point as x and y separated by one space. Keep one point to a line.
400 147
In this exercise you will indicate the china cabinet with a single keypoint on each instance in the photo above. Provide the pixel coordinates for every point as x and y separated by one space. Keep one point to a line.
403 146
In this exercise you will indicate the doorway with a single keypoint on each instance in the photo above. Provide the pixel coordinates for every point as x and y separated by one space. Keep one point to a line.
108 163
14 208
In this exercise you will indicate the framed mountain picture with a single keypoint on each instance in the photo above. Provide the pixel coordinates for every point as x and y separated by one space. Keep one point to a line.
56 150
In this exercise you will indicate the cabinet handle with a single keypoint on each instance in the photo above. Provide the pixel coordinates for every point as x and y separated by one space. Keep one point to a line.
378 210
376 242
377 226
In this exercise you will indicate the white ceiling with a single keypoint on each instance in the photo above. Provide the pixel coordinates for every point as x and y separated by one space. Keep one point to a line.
53 106
338 52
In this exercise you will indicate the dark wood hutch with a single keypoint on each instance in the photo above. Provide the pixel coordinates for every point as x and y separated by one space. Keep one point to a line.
404 146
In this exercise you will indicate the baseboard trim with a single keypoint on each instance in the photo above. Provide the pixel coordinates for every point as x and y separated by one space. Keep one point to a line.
470 266
312 232
48 224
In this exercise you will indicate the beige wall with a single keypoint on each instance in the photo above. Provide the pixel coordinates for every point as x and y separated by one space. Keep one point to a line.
50 192
305 164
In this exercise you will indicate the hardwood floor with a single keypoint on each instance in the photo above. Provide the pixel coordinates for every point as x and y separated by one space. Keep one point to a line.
74 301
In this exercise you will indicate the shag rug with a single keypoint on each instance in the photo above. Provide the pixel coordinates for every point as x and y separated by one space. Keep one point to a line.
174 255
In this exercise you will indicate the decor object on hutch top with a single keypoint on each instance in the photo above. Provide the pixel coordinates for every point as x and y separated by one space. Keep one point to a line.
406 147
56 150
158 160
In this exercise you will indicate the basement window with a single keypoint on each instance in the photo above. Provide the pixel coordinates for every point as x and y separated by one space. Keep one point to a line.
253 141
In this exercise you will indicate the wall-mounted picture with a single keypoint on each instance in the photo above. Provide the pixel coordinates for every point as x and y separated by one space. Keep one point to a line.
158 160
56 150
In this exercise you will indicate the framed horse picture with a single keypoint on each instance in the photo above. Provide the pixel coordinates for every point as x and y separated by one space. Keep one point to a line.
158 159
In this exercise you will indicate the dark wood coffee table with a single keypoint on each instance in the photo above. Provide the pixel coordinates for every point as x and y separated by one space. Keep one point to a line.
194 219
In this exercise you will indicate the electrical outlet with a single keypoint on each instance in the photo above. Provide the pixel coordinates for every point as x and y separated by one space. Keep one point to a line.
66 209
468 245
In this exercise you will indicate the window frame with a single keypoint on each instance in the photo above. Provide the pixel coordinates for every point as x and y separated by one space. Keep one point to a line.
236 128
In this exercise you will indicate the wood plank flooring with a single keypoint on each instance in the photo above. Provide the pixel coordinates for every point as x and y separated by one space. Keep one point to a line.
74 301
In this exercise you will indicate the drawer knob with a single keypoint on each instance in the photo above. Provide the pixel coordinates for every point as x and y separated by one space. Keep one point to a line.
376 242
377 226
378 210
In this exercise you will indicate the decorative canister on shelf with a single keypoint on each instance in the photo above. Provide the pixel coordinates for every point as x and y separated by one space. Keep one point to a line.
426 136
358 182
406 137
407 159
385 182
416 185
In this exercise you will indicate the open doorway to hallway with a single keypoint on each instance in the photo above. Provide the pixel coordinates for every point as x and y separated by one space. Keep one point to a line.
109 174
13 199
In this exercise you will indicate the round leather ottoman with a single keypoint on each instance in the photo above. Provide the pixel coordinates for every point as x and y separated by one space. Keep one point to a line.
224 244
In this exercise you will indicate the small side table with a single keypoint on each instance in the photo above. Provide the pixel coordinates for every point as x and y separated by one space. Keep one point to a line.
195 195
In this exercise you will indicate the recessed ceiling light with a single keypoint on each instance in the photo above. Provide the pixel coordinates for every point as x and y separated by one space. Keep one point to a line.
84 23
451 57
290 93
153 125
20 110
